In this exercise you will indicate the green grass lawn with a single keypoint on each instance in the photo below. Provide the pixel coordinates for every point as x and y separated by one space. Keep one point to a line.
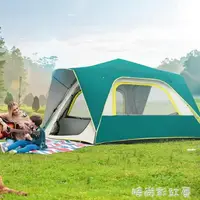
198 103
104 172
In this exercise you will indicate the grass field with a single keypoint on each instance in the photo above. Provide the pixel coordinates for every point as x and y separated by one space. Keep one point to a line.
106 172
198 103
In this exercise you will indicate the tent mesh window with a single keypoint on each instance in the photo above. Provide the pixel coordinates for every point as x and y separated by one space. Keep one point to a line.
120 101
77 118
142 100
79 108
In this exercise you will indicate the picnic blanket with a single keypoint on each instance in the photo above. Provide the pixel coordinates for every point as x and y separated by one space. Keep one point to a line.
57 146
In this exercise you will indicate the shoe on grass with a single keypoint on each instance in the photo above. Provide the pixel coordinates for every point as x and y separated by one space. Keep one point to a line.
12 152
3 148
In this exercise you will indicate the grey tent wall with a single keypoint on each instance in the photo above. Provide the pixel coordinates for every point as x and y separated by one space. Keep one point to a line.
139 98
62 80
135 98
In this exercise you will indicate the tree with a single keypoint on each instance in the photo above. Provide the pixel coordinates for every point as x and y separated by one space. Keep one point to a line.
28 100
14 68
192 62
35 69
42 100
171 65
48 62
2 62
191 71
36 104
8 98
188 66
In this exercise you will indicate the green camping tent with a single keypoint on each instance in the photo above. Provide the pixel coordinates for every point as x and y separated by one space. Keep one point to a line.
119 101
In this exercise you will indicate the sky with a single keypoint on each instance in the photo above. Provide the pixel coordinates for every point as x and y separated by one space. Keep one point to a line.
87 32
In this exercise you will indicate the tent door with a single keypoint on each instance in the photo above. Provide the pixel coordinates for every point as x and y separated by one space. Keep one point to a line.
72 126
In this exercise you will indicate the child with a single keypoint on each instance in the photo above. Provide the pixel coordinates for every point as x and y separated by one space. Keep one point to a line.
34 140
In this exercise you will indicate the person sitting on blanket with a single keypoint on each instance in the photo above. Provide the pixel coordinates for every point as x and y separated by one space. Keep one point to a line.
34 141
16 116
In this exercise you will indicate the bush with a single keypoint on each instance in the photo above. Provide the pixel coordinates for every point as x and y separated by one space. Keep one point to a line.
8 98
28 100
36 104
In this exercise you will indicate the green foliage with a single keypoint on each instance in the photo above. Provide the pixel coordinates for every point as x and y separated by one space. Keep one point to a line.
192 71
191 58
8 98
198 103
171 65
13 65
188 66
14 69
2 63
39 77
197 100
2 42
192 64
48 62
36 104
2 88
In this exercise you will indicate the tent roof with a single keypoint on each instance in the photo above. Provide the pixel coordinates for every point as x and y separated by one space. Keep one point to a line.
96 82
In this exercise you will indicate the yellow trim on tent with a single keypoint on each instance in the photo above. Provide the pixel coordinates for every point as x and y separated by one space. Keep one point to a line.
114 106
142 79
193 112
124 103
73 102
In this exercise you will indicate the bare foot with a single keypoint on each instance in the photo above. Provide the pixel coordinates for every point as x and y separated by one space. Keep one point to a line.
6 190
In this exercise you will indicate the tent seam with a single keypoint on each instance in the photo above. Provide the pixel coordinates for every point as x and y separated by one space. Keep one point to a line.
87 106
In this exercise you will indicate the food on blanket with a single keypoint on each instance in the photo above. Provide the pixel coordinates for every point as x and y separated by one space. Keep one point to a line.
6 190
